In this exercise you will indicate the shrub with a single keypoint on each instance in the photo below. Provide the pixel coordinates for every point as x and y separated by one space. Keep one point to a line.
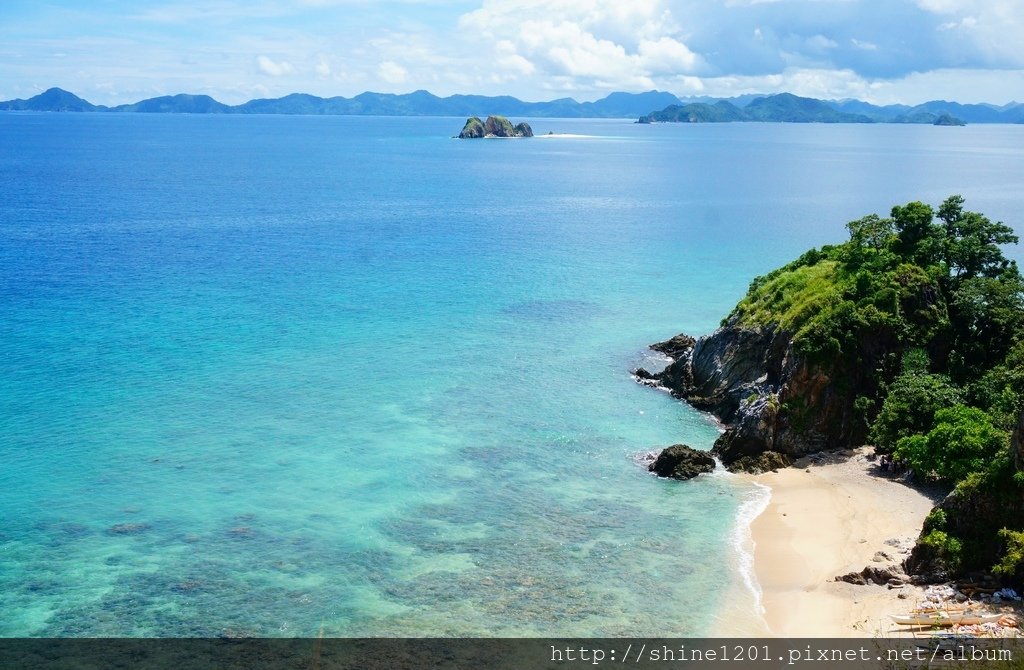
962 442
910 407
946 547
936 520
1012 562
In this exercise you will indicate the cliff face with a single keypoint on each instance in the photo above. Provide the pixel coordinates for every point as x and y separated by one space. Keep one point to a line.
772 398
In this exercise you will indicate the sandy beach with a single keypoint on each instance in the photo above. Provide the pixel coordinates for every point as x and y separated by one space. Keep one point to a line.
829 518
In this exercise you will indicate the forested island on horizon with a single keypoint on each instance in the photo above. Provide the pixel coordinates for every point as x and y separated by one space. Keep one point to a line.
650 106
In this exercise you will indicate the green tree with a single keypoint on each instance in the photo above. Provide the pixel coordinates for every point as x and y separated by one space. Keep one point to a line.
910 407
1011 564
963 441
987 314
872 232
1000 392
971 245
918 239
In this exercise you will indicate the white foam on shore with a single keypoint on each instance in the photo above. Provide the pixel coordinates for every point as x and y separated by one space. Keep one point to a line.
742 613
755 502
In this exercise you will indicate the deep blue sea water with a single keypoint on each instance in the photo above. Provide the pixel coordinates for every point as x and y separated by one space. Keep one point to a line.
281 375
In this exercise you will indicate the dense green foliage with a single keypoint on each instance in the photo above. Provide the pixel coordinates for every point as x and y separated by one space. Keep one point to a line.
697 112
474 127
909 408
963 440
1012 563
918 280
920 316
947 547
1000 390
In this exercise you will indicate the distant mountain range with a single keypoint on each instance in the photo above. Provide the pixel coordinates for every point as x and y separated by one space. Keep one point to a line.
786 107
780 107
418 103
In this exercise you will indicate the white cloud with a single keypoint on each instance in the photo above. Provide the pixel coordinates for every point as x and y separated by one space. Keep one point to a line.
963 85
966 22
274 69
945 6
991 28
807 82
821 43
666 55
596 44
905 50
323 68
516 64
686 85
392 72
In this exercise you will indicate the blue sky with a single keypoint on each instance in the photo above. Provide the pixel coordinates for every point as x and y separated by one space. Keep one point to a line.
884 51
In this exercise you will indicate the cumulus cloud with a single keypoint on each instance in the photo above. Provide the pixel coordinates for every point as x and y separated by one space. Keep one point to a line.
392 72
533 49
509 61
989 31
808 82
962 85
666 55
274 69
590 43
538 49
323 68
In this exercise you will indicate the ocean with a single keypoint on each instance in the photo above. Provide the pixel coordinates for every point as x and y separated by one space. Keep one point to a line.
291 376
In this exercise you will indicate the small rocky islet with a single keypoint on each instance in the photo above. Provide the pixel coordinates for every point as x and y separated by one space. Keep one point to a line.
494 126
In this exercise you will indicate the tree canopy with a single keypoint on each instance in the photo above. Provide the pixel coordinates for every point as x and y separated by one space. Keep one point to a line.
924 304
919 318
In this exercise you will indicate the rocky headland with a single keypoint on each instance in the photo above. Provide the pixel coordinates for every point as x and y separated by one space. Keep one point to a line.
775 403
494 126
909 338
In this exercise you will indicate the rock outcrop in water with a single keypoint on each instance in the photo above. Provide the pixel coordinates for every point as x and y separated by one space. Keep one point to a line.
681 462
494 126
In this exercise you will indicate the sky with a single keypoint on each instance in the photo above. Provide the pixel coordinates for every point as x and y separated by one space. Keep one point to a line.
881 51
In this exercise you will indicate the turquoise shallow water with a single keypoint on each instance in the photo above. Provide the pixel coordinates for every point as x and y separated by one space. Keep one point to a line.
277 375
